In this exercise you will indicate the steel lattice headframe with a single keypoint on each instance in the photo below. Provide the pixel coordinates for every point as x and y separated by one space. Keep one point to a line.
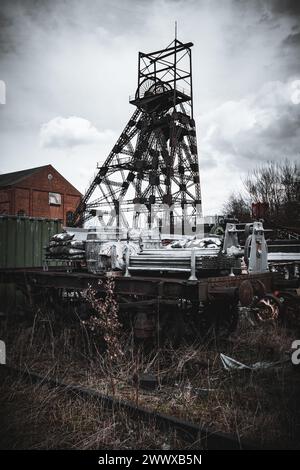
153 167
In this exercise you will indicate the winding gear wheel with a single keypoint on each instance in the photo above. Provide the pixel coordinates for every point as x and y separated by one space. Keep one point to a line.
150 87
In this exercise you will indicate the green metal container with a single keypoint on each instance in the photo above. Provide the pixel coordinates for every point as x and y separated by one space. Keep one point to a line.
23 240
22 245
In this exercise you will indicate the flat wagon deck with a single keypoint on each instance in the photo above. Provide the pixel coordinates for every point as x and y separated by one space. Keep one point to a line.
171 302
159 287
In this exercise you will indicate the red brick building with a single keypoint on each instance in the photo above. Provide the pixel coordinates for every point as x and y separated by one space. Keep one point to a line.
38 192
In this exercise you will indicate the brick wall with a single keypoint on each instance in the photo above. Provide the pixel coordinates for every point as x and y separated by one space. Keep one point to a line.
5 204
31 195
22 200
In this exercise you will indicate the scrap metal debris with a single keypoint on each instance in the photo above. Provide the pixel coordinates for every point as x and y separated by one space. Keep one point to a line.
229 363
193 242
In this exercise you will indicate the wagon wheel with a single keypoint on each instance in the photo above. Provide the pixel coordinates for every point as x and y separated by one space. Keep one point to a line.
43 300
219 319
150 326
227 319
259 288
246 293
171 329
171 326
269 308
251 290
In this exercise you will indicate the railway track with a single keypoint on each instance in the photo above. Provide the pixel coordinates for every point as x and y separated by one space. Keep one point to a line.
191 432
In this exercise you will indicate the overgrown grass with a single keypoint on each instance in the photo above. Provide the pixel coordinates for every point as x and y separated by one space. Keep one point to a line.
260 405
38 417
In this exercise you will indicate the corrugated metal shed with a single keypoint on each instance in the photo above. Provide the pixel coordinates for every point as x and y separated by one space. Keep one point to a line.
22 240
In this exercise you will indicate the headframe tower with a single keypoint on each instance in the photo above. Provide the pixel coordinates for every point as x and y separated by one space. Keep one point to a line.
153 167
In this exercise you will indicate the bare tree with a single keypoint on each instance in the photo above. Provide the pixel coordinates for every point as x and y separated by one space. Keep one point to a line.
237 206
275 184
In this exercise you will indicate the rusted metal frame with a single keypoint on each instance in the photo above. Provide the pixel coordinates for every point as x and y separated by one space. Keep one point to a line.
151 287
145 303
179 190
178 79
200 290
169 51
113 154
92 187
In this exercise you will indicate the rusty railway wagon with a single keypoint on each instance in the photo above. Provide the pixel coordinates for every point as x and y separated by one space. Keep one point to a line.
177 307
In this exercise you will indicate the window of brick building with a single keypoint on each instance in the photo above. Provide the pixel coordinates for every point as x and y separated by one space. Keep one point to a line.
55 199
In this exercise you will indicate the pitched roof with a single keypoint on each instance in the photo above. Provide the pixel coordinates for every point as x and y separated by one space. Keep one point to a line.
8 179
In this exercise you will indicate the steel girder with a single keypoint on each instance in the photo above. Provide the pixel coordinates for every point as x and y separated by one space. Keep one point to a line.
154 163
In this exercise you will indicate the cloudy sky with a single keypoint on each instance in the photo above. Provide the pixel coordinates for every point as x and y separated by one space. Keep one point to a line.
69 67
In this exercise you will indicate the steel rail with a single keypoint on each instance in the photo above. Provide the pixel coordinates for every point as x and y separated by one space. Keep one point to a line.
191 432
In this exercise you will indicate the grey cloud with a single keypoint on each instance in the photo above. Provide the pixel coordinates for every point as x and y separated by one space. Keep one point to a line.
207 162
285 7
263 126
62 132
79 58
291 40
